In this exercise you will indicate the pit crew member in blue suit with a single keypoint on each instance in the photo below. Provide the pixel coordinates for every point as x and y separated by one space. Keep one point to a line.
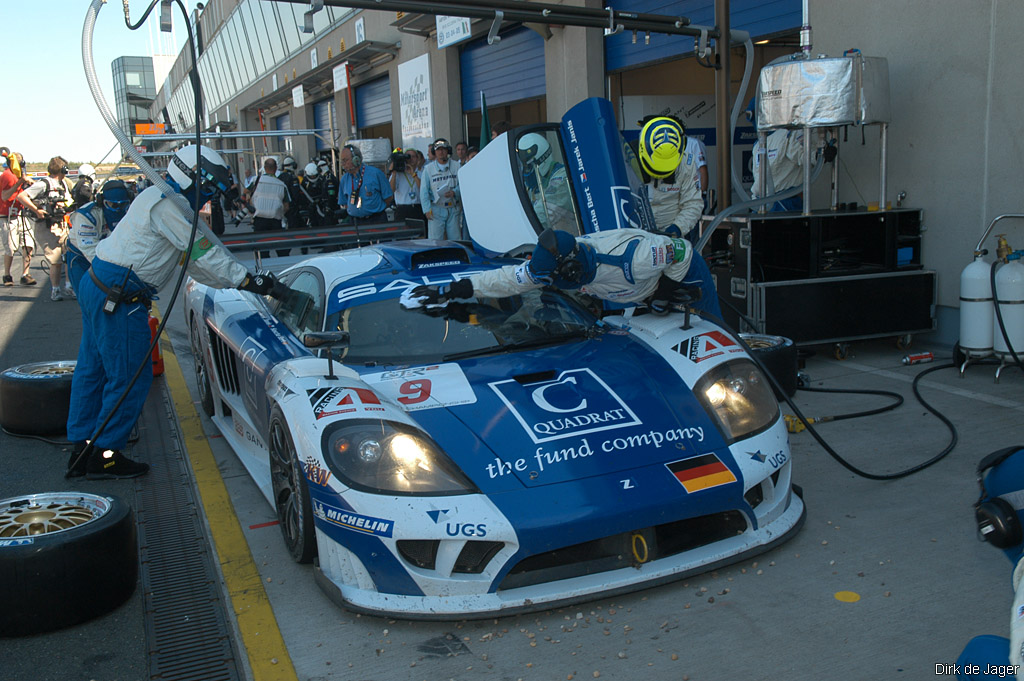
130 265
90 223
618 265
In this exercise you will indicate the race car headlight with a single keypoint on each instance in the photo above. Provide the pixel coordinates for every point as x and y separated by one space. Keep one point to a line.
738 397
381 456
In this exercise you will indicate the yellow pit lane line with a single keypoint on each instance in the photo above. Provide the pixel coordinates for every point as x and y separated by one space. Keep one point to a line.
261 638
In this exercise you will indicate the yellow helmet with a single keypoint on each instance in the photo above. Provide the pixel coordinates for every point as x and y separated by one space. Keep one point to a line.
661 146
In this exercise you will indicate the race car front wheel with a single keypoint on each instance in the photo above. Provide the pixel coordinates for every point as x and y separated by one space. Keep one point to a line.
202 375
65 557
35 398
291 493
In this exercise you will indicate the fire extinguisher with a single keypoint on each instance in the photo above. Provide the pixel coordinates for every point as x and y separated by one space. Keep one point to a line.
158 358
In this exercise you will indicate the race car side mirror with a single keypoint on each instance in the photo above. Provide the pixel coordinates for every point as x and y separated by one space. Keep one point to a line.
329 340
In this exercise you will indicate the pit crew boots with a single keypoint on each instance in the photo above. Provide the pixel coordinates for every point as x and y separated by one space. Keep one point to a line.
78 461
110 464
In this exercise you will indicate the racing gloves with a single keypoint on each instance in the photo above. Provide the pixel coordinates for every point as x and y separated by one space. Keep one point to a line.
436 296
262 284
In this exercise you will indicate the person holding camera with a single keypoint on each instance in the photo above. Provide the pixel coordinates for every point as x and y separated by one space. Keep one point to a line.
13 232
48 200
404 178
364 190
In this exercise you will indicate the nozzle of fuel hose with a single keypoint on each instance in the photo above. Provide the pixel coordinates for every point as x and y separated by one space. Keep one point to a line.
795 425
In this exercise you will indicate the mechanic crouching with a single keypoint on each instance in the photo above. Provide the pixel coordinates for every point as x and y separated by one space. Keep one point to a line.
617 266
129 267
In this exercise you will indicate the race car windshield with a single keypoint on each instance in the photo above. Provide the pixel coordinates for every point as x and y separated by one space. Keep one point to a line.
382 333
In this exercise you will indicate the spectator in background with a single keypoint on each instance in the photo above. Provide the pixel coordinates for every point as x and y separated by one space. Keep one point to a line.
48 201
405 183
439 194
364 190
81 193
500 127
471 153
14 231
461 151
270 200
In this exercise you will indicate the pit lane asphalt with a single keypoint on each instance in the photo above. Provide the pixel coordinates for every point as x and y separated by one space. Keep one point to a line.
907 549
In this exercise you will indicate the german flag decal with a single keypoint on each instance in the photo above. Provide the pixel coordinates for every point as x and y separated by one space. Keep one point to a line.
701 472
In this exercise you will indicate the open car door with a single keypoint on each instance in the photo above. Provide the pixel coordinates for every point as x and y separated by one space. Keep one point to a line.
579 176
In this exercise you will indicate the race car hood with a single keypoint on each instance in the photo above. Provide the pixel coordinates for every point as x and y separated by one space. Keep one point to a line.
563 413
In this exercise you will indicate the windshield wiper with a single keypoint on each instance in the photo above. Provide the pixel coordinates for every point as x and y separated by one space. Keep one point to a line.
516 346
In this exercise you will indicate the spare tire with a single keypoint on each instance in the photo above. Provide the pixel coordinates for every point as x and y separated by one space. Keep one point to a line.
65 557
35 398
778 355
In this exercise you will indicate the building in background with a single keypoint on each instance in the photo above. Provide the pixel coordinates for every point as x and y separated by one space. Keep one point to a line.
134 91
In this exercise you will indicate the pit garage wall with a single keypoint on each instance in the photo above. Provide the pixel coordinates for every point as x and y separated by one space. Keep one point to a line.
955 142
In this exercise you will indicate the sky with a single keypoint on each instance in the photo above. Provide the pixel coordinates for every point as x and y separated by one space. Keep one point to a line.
48 109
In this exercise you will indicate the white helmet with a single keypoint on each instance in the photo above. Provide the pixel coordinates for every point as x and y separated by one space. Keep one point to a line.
216 174
87 170
535 150
323 165
310 169
289 163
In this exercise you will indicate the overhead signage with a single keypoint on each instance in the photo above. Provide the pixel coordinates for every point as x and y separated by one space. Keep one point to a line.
451 30
417 113
149 128
340 74
298 97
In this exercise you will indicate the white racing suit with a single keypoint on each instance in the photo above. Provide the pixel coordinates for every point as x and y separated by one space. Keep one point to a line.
87 228
140 256
629 264
676 200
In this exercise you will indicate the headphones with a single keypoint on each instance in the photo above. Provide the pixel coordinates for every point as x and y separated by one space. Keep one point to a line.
567 267
357 156
997 520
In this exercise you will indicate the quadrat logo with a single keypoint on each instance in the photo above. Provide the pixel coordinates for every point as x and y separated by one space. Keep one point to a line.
576 403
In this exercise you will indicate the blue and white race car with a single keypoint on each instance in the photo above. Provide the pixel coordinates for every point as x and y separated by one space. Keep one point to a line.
498 455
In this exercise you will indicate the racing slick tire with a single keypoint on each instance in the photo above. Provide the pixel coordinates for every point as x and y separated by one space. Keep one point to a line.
291 492
35 398
202 372
778 355
65 557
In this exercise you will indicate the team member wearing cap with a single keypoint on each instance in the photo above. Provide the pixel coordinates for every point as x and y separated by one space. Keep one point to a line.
440 196
138 258
617 265
364 190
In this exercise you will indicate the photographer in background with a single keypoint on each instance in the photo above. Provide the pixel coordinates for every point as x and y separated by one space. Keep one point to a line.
364 191
404 178
13 234
48 200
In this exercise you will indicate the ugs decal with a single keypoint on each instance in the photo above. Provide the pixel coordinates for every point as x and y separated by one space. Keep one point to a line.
457 529
707 345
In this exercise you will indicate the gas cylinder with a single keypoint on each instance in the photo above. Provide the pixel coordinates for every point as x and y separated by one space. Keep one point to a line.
1009 295
158 358
976 308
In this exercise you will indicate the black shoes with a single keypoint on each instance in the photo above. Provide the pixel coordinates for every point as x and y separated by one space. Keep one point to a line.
111 464
78 461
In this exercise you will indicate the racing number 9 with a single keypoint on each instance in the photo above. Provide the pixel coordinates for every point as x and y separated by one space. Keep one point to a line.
417 391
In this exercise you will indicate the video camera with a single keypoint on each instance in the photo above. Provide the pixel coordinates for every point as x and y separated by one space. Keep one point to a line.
398 160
